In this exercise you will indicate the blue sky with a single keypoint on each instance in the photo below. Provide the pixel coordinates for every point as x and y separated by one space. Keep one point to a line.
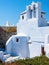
10 10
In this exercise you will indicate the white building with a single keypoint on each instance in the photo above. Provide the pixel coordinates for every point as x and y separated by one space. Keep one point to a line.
32 37
33 23
7 24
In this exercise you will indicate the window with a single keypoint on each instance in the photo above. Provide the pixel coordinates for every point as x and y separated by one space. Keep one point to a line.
22 17
17 40
41 16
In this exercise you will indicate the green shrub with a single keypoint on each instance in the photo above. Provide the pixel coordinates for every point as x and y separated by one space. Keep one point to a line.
42 60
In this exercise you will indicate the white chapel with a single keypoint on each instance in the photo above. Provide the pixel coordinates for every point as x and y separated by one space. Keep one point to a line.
32 37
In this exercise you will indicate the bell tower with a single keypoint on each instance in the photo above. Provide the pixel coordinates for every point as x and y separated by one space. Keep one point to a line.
35 13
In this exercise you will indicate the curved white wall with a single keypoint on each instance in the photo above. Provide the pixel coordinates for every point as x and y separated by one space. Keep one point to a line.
20 48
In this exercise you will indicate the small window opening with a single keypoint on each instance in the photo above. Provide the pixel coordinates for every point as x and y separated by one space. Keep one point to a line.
41 16
17 40
22 17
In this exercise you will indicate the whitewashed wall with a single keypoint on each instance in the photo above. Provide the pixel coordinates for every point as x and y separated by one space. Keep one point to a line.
20 48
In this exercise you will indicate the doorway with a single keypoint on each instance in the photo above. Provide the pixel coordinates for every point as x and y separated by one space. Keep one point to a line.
42 50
